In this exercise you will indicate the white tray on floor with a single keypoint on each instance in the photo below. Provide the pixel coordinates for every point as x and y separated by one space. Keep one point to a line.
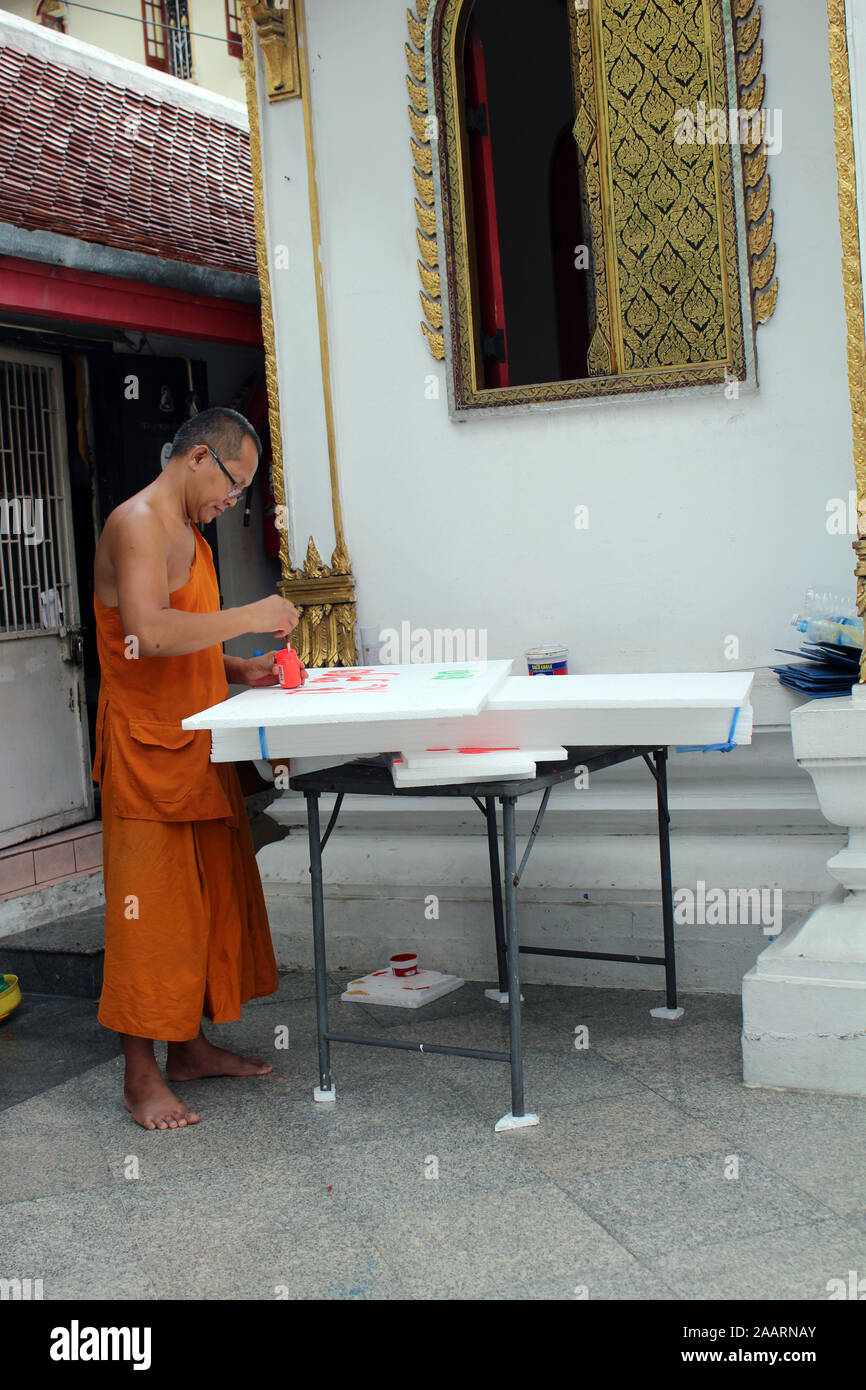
406 992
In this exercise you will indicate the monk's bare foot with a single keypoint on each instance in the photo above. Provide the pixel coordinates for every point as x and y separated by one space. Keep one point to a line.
189 1061
153 1106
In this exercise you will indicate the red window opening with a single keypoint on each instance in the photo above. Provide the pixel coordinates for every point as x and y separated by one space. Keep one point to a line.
493 368
155 24
233 28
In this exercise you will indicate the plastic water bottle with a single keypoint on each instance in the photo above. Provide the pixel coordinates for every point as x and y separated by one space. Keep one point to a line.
839 633
831 606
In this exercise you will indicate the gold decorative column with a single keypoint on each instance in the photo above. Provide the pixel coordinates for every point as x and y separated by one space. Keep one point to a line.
323 594
752 89
851 277
421 122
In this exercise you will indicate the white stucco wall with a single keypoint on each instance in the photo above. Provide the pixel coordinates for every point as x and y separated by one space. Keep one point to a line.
707 516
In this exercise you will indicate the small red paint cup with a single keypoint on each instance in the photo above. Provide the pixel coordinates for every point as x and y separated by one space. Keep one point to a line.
288 668
404 964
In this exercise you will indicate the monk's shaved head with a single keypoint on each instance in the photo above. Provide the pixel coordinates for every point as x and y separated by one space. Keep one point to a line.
221 429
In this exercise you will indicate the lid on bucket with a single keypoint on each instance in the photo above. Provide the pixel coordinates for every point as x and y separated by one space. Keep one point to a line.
549 653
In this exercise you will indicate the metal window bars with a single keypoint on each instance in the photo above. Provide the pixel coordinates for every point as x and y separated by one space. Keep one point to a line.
34 557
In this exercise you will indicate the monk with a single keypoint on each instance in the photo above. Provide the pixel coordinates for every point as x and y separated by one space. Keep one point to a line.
186 929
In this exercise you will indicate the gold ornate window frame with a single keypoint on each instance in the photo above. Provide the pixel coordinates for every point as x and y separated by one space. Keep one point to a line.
748 287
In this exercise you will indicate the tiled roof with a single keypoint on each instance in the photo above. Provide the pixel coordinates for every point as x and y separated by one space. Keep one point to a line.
90 159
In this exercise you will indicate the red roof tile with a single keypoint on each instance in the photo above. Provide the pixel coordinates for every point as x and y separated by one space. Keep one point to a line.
88 159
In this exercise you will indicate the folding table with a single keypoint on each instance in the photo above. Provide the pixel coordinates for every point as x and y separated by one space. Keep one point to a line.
366 778
342 716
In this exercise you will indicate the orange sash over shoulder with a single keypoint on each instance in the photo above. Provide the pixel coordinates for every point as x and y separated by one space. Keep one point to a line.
160 770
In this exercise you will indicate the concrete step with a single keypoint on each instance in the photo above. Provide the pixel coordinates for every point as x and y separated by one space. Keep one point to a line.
62 957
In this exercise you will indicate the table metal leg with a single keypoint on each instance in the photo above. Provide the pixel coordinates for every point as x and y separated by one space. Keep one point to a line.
671 1010
517 1117
325 1091
496 890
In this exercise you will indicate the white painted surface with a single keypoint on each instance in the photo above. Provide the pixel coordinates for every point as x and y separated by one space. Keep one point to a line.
804 1001
690 690
708 520
350 697
381 987
707 516
294 263
480 766
463 757
487 711
701 729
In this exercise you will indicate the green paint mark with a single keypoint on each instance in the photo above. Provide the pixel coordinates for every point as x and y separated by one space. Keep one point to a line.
452 675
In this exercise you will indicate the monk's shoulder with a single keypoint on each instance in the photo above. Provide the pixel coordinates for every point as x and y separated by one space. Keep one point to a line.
136 525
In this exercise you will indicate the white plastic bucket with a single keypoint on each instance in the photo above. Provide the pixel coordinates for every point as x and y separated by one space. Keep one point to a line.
547 661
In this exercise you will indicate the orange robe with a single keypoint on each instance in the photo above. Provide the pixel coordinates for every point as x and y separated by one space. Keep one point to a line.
186 928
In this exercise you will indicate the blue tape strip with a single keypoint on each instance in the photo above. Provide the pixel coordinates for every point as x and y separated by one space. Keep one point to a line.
263 743
713 747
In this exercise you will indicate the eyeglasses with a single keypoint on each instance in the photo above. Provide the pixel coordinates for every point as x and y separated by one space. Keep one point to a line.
237 488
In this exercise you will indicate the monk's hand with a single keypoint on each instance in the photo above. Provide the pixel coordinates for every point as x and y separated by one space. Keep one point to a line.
260 670
273 614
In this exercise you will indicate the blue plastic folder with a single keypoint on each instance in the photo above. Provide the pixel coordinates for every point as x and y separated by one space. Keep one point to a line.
829 670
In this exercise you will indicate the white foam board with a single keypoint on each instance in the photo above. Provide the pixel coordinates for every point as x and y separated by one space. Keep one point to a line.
524 712
655 690
355 695
469 765
483 767
430 758
298 766
409 992
674 708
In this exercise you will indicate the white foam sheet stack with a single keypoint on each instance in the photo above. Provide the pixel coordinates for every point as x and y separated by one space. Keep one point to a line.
343 713
441 766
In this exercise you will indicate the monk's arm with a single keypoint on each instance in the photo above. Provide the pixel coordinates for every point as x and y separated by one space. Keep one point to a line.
140 557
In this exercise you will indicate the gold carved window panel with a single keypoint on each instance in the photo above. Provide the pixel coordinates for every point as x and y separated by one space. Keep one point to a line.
664 219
